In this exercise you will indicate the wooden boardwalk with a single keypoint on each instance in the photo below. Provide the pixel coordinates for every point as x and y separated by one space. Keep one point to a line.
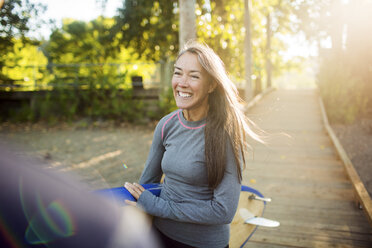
312 197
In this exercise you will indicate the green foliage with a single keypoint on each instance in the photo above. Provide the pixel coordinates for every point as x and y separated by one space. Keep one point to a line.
221 26
81 42
341 91
24 65
89 50
150 27
15 17
167 103
99 88
78 54
23 113
63 104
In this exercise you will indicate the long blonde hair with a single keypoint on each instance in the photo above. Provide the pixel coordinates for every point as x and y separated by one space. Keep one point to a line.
226 122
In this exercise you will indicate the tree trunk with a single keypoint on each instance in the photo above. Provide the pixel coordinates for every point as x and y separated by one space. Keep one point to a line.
187 21
248 52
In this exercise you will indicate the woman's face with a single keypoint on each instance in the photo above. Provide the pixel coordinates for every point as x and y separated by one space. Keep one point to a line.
191 85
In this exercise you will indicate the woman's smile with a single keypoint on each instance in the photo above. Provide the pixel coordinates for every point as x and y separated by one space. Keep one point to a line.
184 94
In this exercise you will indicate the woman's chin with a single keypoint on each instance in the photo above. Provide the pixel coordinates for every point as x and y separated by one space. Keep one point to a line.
182 105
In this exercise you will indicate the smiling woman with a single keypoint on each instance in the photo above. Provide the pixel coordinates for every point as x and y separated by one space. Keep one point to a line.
199 149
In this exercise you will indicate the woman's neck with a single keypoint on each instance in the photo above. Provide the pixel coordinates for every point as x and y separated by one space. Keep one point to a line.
194 115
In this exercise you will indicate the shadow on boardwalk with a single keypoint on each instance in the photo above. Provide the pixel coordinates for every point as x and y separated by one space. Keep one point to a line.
312 196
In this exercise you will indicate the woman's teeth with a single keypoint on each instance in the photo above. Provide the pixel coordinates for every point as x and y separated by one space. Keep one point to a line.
183 94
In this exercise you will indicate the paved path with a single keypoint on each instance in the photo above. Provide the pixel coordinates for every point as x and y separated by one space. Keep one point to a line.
312 195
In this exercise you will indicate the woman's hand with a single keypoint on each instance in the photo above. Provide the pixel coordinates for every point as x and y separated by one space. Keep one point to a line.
136 190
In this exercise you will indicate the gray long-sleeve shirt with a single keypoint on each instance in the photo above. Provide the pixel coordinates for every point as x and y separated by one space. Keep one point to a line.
187 210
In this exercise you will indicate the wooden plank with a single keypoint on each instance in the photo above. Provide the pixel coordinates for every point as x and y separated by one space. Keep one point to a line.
311 173
290 205
361 192
288 184
257 244
307 239
363 238
320 217
360 228
257 162
310 232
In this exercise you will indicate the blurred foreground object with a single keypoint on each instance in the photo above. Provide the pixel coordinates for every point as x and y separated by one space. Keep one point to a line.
40 207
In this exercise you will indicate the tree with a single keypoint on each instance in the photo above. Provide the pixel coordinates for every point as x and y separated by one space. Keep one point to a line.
82 42
15 17
25 64
221 25
88 51
150 27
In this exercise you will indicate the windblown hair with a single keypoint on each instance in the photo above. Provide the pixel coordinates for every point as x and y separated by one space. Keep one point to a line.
226 122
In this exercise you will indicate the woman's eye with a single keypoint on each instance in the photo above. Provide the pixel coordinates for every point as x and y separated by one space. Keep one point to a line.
196 77
177 73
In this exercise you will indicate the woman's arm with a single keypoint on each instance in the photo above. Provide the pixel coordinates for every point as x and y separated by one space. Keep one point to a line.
152 172
219 210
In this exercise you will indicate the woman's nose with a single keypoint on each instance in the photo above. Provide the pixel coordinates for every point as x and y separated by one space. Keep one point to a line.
183 81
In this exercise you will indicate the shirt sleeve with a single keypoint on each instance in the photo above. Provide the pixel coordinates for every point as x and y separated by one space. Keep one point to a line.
219 210
153 172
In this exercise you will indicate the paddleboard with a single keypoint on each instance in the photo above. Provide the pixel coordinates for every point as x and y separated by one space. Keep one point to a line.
241 232
251 207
